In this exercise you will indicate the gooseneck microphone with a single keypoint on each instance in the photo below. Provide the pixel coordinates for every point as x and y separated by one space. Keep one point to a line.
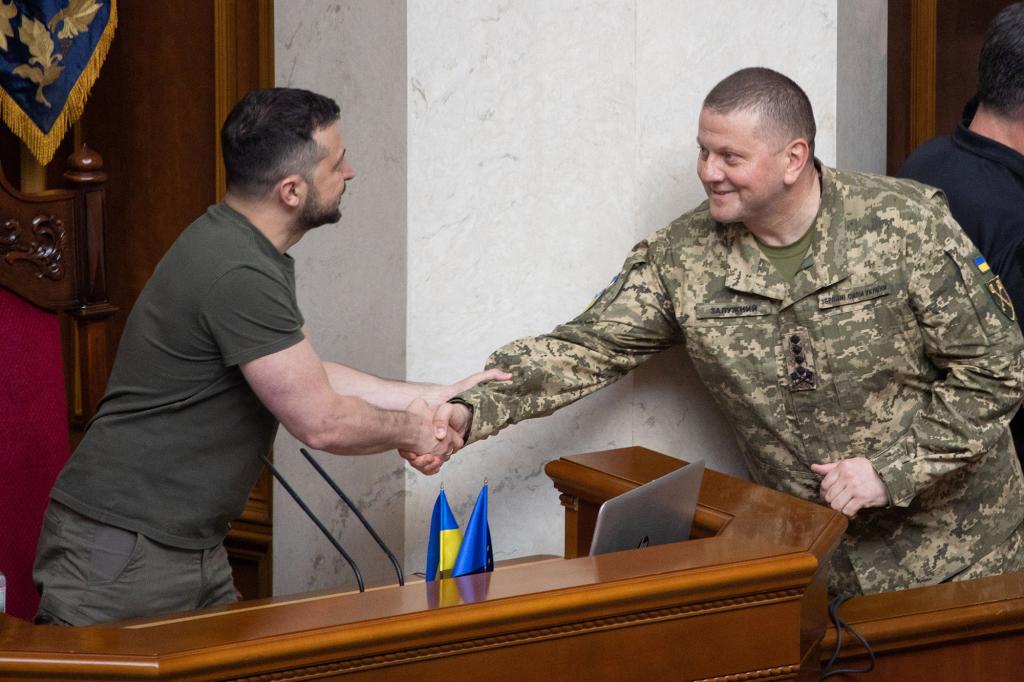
359 514
312 516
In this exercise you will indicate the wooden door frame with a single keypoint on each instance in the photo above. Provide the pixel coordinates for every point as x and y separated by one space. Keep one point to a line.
250 541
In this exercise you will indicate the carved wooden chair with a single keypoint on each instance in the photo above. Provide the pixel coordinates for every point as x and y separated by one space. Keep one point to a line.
53 350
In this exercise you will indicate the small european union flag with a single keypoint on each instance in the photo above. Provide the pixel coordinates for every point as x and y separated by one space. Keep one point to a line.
475 554
980 263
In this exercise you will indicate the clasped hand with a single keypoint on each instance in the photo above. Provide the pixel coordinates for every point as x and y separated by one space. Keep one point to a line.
850 485
447 424
438 440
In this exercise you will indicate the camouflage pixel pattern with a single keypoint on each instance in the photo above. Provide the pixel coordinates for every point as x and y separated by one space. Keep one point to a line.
888 344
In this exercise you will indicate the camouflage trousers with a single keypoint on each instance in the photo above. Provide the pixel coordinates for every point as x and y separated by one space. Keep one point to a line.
1008 557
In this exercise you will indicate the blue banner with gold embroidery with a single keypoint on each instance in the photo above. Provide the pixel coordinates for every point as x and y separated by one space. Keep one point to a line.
51 52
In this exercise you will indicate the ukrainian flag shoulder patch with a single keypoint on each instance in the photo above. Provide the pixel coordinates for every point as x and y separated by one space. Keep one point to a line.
981 264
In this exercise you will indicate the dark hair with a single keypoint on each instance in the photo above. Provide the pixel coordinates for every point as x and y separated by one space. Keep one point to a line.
1001 65
269 135
781 104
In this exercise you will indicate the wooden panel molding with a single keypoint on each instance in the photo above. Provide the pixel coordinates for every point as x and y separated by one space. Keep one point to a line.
923 31
970 630
239 25
243 37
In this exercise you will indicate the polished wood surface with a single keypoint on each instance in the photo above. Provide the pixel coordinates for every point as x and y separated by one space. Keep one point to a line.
746 601
956 632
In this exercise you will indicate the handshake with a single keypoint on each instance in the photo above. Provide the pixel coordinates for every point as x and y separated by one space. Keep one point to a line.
442 425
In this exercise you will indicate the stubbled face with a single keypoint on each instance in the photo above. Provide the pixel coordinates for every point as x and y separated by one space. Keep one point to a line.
326 182
741 167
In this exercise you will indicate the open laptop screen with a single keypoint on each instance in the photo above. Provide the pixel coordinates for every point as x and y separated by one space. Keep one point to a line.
656 513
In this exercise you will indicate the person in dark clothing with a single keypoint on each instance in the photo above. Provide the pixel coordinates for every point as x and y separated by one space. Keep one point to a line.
980 166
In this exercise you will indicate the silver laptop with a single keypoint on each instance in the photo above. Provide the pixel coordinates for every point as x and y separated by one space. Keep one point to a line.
656 513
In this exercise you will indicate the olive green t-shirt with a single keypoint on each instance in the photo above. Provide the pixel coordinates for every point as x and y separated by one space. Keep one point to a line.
788 259
173 450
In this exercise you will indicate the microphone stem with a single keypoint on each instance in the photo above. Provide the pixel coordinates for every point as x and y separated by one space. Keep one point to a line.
359 514
312 516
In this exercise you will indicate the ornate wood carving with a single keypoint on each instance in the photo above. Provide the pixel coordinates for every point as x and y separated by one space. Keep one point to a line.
45 251
87 337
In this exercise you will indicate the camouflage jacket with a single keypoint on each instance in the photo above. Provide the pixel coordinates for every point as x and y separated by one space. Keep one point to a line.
893 343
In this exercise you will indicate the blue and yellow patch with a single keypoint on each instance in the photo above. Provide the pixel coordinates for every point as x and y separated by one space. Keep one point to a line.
981 264
601 293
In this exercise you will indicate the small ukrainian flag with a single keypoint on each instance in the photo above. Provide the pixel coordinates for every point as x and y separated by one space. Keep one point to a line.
981 264
444 541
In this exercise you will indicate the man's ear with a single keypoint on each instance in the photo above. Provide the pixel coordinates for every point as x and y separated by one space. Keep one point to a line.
291 190
798 155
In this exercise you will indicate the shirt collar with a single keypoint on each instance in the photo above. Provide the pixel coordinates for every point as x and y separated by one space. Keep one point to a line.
986 147
825 264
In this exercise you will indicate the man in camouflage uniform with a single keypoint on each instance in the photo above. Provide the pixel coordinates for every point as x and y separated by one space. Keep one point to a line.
845 323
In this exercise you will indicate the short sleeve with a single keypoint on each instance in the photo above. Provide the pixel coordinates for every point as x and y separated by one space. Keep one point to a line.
250 314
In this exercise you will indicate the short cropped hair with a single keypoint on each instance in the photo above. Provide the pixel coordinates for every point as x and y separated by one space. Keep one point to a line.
1001 64
269 135
779 102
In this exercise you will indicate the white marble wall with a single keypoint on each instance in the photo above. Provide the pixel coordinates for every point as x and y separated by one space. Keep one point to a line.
861 75
351 277
541 140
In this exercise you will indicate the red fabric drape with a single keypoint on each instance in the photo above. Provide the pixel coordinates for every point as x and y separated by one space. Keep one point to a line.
33 438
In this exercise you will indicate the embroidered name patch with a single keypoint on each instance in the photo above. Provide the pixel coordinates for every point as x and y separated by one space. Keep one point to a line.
732 309
831 299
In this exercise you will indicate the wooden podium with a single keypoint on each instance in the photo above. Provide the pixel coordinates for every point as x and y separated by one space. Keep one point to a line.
744 600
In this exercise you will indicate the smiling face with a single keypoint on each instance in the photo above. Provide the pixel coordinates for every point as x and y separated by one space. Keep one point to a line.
326 182
742 166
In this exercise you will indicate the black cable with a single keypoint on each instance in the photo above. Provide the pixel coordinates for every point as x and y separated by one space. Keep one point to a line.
840 625
311 515
359 514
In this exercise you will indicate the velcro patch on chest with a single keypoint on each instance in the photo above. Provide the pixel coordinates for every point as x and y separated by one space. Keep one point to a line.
799 352
866 292
732 309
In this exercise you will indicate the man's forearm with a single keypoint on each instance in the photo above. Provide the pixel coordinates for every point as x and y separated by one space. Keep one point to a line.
397 395
352 426
385 394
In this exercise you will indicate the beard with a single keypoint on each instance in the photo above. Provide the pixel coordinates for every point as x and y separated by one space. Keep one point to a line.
315 212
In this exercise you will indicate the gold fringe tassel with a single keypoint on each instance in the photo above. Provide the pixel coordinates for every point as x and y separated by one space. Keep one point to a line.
44 145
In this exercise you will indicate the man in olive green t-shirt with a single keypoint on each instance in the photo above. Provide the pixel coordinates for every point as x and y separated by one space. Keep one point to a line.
213 357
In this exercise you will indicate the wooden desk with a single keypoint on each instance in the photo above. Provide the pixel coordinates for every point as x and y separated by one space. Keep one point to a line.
746 600
953 632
